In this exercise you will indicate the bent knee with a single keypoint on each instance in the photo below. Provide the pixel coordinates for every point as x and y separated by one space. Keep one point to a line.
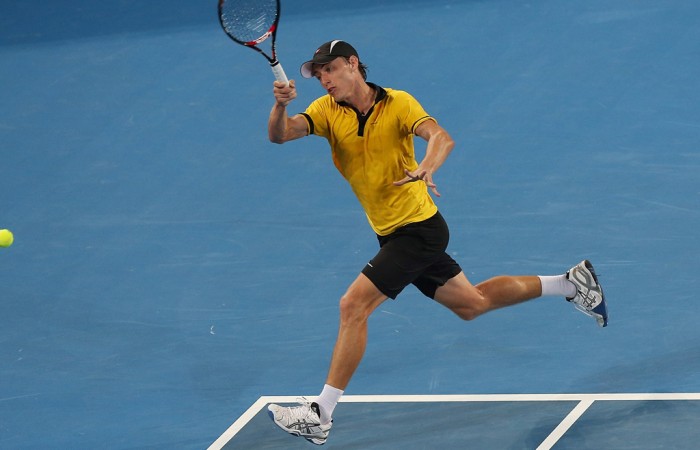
467 313
470 307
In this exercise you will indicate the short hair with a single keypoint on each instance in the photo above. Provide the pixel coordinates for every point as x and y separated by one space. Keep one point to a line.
361 67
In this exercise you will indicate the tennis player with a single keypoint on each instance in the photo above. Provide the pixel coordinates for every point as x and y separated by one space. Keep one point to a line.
370 130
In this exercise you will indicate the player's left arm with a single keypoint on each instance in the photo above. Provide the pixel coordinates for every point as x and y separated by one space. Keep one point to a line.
440 144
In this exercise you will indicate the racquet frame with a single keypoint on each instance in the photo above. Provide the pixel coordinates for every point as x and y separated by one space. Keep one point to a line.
272 32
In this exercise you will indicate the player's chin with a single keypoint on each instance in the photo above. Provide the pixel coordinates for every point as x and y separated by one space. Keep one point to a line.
334 93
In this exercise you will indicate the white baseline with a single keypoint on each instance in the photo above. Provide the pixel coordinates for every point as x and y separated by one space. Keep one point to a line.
585 401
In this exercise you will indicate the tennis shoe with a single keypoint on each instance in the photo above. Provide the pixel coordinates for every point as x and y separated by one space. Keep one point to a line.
589 298
302 420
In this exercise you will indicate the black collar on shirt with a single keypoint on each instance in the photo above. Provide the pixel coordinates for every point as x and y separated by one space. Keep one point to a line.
362 118
381 93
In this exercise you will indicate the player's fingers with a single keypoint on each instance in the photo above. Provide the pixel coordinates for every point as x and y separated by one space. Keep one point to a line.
428 179
409 178
402 181
282 88
415 176
409 174
284 96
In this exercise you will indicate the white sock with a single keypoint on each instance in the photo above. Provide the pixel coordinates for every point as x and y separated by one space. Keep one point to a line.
557 285
326 402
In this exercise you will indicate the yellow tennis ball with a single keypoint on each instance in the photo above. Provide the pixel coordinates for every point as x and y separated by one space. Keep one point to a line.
6 238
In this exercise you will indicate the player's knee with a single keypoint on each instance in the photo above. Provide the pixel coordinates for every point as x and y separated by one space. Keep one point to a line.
467 313
471 307
352 308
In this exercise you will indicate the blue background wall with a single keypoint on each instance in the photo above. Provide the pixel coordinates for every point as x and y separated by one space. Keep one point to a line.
171 265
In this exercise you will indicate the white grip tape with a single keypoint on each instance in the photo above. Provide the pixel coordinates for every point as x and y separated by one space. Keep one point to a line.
279 73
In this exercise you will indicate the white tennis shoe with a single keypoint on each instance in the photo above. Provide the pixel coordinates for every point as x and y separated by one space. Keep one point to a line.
302 420
589 298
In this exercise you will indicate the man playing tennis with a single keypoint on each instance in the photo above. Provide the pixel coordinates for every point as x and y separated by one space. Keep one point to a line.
370 130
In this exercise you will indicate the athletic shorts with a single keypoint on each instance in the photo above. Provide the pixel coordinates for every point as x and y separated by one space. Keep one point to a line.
413 254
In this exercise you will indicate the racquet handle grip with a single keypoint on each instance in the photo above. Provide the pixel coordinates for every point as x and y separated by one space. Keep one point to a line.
279 72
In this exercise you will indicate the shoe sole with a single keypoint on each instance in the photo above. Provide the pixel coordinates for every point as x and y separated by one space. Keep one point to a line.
600 311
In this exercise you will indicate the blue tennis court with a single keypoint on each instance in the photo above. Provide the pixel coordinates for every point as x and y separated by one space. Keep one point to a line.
173 271
538 422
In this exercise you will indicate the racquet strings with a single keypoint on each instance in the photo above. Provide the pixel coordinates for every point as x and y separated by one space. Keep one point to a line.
248 20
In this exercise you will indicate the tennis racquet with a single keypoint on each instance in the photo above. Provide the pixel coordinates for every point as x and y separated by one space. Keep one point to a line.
251 22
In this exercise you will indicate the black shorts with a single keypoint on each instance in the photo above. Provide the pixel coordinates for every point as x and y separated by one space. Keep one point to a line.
413 254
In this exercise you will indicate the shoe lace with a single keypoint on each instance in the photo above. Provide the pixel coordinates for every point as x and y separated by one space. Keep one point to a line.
300 411
303 401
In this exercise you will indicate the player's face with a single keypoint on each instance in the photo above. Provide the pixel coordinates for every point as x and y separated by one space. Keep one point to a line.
337 78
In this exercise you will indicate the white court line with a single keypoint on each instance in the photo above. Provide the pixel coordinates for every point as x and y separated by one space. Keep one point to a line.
585 401
239 424
565 424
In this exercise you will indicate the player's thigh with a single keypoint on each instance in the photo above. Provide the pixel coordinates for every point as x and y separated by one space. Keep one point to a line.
397 264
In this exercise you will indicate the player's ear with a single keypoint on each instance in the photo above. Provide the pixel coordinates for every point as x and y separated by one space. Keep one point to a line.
354 62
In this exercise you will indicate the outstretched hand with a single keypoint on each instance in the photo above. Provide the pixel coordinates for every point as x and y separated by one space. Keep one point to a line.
418 175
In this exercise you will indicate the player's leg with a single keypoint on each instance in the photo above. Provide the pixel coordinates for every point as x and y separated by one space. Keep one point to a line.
358 303
469 301
313 420
579 285
385 276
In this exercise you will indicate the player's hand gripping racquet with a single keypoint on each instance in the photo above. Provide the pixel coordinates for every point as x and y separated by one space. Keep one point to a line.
249 23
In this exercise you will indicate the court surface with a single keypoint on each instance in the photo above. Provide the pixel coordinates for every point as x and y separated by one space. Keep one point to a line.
490 421
173 271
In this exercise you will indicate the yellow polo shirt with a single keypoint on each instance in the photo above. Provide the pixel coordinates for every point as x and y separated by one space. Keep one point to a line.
372 151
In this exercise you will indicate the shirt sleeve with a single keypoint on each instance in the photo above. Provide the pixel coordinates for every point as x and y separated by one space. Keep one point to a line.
413 112
317 117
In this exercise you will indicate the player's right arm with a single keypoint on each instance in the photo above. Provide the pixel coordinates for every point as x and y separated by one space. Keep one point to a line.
280 127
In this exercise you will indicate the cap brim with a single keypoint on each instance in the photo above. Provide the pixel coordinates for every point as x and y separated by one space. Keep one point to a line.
307 69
